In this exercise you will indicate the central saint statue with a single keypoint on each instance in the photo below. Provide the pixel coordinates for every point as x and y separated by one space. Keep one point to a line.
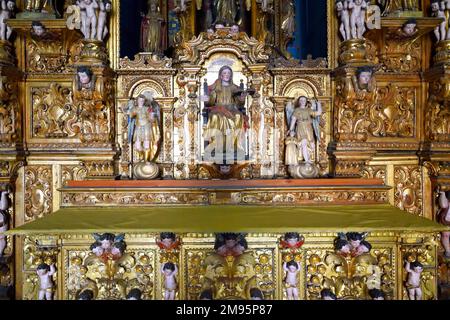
225 103
226 11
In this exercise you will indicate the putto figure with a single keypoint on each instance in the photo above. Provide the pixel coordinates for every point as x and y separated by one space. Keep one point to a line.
292 268
444 218
45 273
7 9
343 14
89 19
108 246
168 241
414 270
103 15
438 9
352 244
230 244
4 219
292 240
169 271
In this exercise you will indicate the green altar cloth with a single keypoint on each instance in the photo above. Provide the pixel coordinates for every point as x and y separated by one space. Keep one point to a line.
209 219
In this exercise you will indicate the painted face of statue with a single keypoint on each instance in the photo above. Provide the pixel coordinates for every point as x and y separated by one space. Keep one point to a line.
141 101
38 30
106 244
153 7
364 78
339 6
10 5
226 75
302 102
292 268
167 242
358 2
84 78
88 1
108 6
435 6
234 29
409 28
231 243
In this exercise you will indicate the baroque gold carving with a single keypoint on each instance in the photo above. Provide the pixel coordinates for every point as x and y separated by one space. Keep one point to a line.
38 192
408 191
54 114
10 117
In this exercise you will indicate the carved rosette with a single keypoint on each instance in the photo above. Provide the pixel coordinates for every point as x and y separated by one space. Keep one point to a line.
38 192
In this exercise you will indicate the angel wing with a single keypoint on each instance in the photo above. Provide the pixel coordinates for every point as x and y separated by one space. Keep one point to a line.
120 237
342 235
289 112
316 120
96 236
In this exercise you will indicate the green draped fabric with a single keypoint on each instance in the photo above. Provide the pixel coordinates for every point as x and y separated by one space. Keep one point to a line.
207 219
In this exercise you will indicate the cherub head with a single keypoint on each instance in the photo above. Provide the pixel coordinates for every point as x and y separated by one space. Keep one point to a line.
43 269
358 2
292 266
292 238
169 268
84 75
355 239
86 295
376 294
167 239
256 294
416 266
343 246
364 76
327 294
107 240
38 28
230 240
97 249
410 27
363 247
134 294
118 248
234 29
339 5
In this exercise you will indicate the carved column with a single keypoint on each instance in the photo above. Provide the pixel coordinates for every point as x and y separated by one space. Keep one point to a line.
280 127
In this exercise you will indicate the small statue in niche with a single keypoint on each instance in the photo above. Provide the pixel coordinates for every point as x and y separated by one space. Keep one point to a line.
292 268
343 14
327 294
288 24
414 270
134 294
103 15
410 27
45 273
169 271
256 294
226 11
304 121
357 18
4 219
444 218
230 244
7 9
89 20
292 240
168 241
376 294
439 11
143 126
151 33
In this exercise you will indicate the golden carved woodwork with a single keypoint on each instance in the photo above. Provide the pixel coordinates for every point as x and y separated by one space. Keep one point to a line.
38 192
54 114
10 115
408 192
73 173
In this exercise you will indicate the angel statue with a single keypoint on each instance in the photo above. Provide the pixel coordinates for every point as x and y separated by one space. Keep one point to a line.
108 246
304 122
144 117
